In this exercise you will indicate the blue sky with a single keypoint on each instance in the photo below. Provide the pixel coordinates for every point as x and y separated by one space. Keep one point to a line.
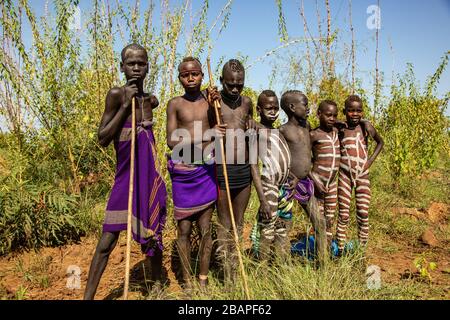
419 32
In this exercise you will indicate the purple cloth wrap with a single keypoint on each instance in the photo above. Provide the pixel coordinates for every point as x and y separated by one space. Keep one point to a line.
194 187
149 196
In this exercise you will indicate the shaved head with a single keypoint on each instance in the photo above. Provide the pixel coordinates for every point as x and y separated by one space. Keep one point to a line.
233 65
289 97
325 103
135 47
265 94
190 59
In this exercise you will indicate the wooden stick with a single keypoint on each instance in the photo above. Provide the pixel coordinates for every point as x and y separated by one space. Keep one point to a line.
377 74
225 174
130 199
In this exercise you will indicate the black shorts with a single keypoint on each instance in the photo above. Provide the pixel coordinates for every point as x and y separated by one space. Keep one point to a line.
239 176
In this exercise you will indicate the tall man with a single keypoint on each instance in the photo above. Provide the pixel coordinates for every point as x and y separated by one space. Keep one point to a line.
149 198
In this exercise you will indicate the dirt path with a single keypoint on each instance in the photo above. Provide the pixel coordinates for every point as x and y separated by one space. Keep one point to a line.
44 274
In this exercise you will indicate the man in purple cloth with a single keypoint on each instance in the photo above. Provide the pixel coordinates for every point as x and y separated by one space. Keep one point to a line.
191 167
149 197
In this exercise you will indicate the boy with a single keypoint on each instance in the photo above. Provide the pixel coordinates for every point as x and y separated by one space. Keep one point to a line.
194 187
274 217
354 169
236 111
149 199
326 158
296 132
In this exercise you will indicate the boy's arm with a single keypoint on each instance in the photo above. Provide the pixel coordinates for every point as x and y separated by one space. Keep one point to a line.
340 124
171 126
264 208
212 95
377 138
118 102
154 101
318 185
113 117
251 122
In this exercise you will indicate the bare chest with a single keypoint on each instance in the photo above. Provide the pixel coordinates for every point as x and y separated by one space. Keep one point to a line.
191 112
143 109
235 118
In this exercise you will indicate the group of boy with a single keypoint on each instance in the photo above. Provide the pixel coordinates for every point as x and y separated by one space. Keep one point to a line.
318 168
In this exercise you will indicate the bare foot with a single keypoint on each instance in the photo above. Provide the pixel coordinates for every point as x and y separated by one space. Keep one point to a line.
203 282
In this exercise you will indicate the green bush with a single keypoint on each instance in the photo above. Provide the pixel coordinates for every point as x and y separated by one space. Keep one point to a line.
415 126
33 216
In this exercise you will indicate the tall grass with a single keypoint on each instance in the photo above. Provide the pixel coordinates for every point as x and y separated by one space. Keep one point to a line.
55 178
52 97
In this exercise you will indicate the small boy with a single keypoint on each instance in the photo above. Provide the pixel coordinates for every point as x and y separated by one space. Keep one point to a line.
296 133
326 158
354 169
149 198
274 216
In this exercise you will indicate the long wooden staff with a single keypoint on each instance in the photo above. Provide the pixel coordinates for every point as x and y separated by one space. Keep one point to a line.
225 174
130 199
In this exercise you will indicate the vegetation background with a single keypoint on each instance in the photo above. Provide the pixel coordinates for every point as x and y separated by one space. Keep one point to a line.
55 178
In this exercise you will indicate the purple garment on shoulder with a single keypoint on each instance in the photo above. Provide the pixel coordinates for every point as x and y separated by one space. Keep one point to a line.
304 190
194 187
149 196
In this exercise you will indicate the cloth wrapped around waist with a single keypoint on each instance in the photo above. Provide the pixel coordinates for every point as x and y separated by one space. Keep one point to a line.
149 191
194 187
304 190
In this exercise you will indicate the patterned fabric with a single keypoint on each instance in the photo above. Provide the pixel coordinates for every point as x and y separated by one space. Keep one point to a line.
194 187
149 196
304 190
284 205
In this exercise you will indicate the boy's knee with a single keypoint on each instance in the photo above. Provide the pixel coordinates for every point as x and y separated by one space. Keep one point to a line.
105 250
344 218
107 243
183 235
205 231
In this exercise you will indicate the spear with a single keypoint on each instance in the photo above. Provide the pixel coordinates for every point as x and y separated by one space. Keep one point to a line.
130 199
225 174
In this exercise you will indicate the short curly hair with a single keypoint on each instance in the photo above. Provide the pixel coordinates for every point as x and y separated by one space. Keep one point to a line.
326 103
266 93
189 59
352 98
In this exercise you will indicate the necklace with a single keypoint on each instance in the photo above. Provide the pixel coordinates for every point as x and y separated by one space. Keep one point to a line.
233 104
